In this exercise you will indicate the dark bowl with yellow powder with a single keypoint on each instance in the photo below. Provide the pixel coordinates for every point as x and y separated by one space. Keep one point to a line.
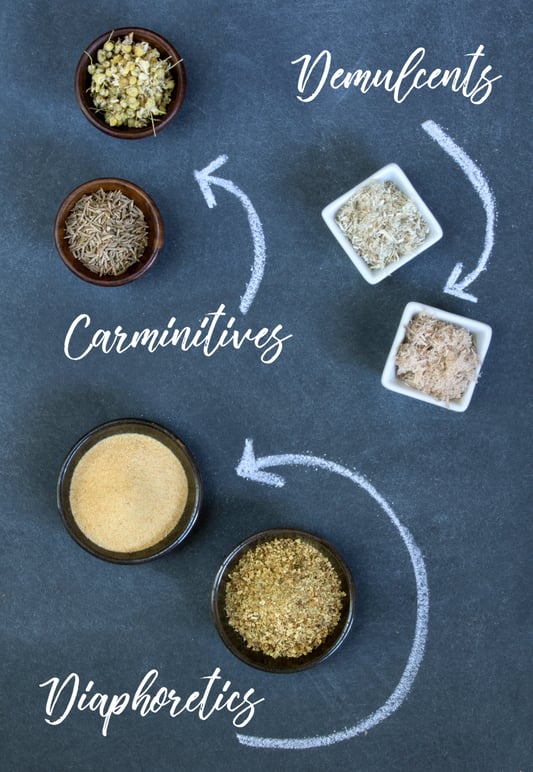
283 600
129 491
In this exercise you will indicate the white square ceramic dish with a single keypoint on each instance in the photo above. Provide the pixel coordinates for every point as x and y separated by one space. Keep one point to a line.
390 173
482 334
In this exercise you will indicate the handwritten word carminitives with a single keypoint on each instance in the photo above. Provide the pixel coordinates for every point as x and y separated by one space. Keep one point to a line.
67 695
215 332
474 84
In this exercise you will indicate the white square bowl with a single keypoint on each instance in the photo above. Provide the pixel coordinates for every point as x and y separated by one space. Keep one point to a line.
482 334
390 173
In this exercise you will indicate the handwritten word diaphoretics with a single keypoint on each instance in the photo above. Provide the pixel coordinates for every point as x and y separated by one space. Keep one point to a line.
474 85
216 331
67 695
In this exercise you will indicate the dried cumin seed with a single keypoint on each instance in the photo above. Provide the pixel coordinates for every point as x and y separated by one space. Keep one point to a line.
107 232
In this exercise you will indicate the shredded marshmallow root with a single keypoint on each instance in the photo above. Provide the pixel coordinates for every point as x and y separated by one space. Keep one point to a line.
437 358
382 224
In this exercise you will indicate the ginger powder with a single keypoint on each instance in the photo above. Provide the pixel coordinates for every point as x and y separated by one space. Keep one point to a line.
128 492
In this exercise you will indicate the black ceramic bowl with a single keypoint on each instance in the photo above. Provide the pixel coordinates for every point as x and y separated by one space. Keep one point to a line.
82 82
234 641
170 441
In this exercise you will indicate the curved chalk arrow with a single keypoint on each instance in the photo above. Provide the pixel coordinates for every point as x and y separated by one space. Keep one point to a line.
253 468
481 186
205 180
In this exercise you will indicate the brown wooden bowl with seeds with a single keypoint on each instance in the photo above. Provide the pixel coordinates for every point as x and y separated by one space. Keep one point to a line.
151 117
283 600
109 223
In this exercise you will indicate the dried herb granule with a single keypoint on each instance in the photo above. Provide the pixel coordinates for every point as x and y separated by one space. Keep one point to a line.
284 597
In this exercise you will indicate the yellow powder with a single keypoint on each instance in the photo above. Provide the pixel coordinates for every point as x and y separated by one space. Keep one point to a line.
128 492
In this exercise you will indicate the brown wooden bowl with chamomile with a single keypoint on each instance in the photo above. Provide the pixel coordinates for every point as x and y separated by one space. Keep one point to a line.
152 122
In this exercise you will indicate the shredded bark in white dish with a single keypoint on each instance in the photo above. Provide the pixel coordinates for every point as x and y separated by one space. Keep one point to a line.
382 224
437 358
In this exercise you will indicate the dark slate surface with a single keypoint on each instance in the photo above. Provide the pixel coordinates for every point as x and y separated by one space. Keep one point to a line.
459 483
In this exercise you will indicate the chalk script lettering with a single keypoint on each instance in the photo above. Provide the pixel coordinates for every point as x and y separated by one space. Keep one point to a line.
64 697
315 74
215 332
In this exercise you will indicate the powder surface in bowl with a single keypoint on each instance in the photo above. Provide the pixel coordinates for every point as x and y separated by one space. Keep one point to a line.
128 492
284 597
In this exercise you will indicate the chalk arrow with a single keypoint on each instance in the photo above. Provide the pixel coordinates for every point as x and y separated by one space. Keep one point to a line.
252 467
206 180
453 286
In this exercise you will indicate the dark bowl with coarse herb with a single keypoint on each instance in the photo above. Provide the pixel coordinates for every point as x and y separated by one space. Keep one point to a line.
108 231
130 83
283 600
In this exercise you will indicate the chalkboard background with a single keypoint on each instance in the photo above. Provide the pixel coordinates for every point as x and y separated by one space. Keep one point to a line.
458 482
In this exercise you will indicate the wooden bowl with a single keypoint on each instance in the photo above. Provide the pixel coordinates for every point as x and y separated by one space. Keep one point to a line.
82 82
154 221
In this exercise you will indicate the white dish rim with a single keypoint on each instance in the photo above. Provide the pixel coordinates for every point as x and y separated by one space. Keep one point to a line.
389 173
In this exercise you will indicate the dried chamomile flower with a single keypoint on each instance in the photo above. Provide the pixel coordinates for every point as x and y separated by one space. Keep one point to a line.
130 83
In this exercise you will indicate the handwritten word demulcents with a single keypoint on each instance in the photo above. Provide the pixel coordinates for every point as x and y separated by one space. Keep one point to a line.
474 85
213 334
67 695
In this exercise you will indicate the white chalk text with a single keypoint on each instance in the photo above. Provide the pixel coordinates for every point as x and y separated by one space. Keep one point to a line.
471 81
215 332
67 695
